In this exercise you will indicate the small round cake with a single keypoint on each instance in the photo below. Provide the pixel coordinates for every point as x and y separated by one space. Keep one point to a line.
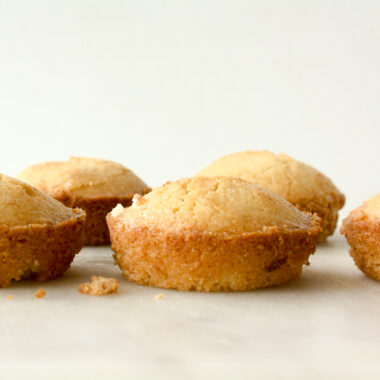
93 185
362 231
300 184
211 234
39 236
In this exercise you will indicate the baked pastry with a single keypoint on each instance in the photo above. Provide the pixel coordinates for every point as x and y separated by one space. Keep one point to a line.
211 234
93 185
300 184
362 231
39 236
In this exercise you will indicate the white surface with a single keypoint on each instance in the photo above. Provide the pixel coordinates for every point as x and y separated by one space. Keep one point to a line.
165 87
325 323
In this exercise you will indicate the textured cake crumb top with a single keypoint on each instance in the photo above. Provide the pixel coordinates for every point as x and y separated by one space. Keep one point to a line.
215 204
285 176
84 177
21 205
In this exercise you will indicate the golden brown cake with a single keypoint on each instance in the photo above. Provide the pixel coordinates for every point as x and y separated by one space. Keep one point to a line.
93 185
300 184
39 236
211 234
362 230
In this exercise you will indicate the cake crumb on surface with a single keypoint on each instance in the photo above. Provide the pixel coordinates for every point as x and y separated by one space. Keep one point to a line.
99 286
39 293
159 296
9 297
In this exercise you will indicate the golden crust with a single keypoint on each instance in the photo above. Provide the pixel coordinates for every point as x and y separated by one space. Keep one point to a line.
300 184
362 231
194 245
81 177
210 261
40 251
93 185
96 230
216 204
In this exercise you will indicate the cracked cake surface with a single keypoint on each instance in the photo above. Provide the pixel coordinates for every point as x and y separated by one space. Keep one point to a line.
215 205
22 205
83 177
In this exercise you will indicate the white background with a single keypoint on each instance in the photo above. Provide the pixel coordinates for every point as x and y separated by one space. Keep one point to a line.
165 87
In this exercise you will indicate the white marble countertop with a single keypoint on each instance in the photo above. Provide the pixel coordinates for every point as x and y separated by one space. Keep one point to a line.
326 323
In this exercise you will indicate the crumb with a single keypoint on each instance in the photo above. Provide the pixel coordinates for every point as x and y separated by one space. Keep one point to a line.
99 286
117 210
9 297
39 293
159 296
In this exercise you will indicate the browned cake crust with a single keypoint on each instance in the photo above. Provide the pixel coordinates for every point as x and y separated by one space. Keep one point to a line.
93 185
300 184
41 252
328 212
212 234
362 231
96 230
211 262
